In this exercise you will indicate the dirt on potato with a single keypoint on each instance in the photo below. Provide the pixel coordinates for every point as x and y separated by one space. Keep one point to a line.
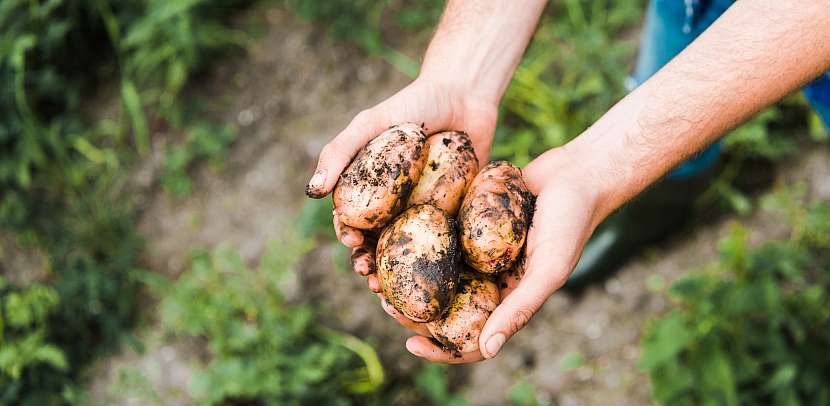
418 264
377 184
494 218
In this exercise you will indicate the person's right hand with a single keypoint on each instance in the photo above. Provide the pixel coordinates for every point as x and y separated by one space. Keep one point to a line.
438 106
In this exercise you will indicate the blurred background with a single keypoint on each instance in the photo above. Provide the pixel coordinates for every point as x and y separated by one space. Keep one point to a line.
156 246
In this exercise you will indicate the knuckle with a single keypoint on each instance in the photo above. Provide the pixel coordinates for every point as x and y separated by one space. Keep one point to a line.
329 150
519 319
363 117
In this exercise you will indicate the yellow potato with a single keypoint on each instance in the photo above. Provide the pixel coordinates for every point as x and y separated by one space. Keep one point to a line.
451 166
377 184
417 263
459 330
494 218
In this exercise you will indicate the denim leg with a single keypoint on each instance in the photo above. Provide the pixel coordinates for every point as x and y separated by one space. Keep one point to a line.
670 26
818 94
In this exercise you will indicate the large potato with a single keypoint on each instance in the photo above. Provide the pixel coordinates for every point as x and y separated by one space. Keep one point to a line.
451 166
494 218
417 262
376 185
459 330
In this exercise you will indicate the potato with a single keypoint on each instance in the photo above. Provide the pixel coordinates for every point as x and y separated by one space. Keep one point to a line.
459 330
451 166
418 264
494 218
376 185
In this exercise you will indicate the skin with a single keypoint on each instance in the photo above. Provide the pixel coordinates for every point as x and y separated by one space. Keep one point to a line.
755 54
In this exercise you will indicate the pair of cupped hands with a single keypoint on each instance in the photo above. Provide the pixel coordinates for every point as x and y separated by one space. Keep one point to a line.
565 216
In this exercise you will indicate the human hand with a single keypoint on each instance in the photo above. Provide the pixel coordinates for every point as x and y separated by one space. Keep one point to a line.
438 105
567 212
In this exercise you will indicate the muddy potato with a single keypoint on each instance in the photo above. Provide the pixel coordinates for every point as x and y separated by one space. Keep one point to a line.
450 167
377 184
417 262
494 218
459 330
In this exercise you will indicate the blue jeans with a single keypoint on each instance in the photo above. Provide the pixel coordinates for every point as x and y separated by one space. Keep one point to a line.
669 27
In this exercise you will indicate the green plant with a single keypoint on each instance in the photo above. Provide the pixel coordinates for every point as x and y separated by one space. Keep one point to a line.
753 329
62 172
261 348
571 74
204 141
524 394
432 382
23 318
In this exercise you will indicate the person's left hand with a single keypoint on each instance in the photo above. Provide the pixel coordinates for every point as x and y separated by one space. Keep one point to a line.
566 215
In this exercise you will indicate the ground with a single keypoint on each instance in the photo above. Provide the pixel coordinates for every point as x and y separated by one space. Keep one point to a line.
289 93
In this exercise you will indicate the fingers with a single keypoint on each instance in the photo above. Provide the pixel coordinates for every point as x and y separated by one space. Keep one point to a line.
561 224
363 261
339 152
417 328
349 236
426 348
374 283
363 258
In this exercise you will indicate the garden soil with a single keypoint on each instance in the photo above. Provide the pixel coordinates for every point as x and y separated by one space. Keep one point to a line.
291 91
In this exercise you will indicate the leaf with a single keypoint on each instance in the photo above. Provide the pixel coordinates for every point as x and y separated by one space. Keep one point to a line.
782 377
52 356
135 109
716 373
571 361
666 339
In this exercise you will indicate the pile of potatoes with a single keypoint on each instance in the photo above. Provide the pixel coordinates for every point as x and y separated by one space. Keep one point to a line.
448 229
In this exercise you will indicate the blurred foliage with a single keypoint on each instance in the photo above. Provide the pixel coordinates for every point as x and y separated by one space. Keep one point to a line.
373 25
524 394
571 74
432 382
753 329
23 317
204 141
62 173
262 349
362 22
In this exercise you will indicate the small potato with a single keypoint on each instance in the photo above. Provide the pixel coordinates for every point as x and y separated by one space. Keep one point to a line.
417 263
376 185
450 168
494 218
459 330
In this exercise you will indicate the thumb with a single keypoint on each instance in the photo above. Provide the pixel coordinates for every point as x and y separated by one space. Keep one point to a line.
516 310
554 244
339 151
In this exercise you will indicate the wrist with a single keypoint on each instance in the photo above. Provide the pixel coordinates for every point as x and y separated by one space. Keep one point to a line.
613 163
561 171
478 45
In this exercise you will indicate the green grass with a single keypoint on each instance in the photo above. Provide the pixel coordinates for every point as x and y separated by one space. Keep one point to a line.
754 327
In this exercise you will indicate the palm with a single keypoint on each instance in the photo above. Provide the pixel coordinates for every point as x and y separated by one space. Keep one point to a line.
563 220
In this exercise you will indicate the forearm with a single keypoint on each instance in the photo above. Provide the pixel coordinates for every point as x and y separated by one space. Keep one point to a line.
479 43
755 54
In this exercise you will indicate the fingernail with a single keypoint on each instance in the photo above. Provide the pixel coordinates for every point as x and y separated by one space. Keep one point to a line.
315 185
413 351
494 344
